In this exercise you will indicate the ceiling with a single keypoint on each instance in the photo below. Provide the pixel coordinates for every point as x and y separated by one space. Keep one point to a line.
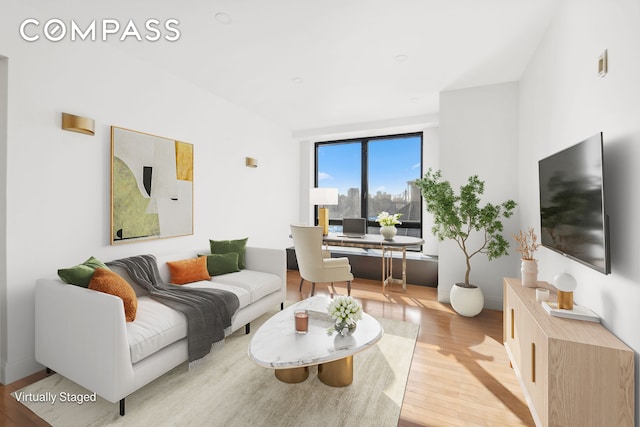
323 64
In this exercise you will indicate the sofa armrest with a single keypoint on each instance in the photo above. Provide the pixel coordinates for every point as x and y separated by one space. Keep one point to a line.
267 260
81 334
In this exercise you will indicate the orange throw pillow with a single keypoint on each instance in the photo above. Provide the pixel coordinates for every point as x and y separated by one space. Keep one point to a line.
188 270
107 281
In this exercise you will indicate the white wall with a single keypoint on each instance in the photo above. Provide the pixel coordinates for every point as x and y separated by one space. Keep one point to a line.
430 159
478 136
4 65
563 101
58 181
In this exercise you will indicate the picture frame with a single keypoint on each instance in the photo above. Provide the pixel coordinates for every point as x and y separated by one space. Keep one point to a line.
151 186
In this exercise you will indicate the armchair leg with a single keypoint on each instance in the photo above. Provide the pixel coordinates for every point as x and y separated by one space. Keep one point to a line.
301 282
247 328
122 407
313 288
349 288
333 289
281 306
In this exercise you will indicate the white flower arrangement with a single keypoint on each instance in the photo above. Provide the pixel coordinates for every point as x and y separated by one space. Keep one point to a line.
345 312
384 218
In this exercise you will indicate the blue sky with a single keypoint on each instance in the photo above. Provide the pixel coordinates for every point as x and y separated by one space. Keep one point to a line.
392 162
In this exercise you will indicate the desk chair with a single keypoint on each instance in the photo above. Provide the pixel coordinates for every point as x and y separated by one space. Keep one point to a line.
313 263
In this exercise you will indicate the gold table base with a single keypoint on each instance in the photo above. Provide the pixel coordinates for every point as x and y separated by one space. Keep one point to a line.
292 375
338 373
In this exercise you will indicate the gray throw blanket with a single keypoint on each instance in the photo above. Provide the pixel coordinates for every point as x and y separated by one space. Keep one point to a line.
209 312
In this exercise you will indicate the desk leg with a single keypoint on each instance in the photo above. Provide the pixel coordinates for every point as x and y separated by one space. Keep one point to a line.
384 270
404 269
387 268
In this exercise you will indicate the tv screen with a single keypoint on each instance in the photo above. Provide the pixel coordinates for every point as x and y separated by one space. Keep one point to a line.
573 220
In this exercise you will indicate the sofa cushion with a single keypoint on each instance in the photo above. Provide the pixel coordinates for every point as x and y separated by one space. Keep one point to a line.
257 283
80 274
188 270
218 264
105 280
244 296
225 246
156 326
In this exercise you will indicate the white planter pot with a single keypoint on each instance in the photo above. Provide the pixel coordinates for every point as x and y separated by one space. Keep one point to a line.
529 271
388 232
466 302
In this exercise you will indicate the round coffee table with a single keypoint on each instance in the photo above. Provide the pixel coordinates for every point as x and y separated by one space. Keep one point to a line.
276 345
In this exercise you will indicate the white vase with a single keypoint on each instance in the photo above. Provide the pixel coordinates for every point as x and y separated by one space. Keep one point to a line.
388 232
529 271
466 302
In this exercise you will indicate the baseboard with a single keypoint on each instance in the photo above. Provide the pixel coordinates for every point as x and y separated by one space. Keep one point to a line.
11 372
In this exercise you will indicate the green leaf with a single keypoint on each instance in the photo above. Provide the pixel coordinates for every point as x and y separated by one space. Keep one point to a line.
456 216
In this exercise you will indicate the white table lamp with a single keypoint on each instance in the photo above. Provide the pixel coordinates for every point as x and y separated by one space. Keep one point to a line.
323 197
566 284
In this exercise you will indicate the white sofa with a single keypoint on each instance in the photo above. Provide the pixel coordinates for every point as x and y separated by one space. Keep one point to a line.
82 334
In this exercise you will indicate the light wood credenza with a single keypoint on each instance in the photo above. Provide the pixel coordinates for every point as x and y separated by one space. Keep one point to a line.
572 372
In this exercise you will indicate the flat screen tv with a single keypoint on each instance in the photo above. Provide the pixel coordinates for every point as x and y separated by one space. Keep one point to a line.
573 220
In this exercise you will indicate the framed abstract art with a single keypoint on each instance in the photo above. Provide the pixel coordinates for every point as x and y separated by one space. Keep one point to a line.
151 186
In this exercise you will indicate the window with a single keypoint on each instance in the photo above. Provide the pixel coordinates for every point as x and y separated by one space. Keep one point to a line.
373 175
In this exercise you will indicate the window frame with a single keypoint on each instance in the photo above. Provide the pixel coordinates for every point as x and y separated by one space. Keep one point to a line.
364 178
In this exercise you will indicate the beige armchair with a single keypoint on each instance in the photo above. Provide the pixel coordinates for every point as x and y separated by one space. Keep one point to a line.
314 264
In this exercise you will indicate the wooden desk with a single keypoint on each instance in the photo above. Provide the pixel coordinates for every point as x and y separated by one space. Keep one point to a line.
376 241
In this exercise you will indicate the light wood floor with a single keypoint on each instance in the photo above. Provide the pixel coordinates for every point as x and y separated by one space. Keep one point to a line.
460 374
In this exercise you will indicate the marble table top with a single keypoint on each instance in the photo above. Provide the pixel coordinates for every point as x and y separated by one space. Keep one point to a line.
277 345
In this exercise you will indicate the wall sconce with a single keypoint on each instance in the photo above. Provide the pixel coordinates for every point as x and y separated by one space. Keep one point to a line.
78 124
603 64
250 162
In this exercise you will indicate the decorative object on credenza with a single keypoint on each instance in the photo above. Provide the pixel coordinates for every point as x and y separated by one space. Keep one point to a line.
578 312
151 186
78 124
527 245
250 162
388 224
322 197
565 284
345 311
457 217
542 294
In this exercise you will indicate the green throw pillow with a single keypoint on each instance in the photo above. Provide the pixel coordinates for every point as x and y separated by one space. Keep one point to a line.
81 274
226 246
218 264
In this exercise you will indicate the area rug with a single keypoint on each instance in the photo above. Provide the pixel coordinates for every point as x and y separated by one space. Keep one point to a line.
230 390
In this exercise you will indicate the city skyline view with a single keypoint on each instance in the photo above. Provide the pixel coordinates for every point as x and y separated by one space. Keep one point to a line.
392 163
392 166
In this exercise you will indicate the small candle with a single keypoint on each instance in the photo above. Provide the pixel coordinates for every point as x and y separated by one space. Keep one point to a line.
302 321
542 294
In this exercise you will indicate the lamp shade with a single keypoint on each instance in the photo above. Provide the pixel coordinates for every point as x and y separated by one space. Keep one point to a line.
323 196
565 282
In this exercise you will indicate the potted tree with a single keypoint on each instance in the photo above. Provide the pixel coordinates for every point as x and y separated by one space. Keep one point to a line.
457 217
